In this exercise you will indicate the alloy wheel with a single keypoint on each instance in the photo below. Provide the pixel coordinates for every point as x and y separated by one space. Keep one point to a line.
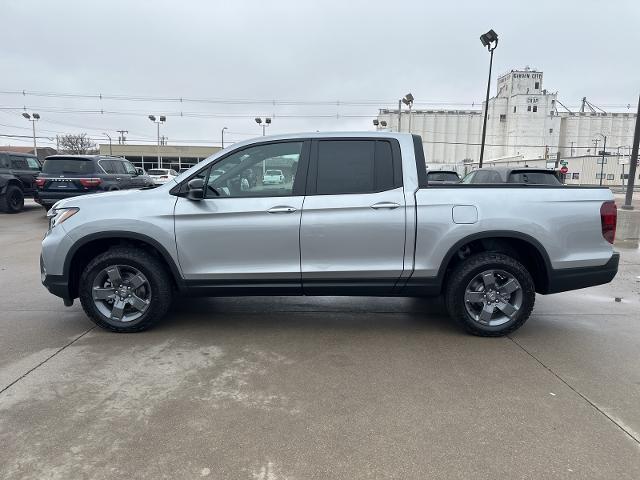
493 297
121 293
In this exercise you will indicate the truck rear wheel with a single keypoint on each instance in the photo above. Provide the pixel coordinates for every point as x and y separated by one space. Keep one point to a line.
13 200
125 289
490 294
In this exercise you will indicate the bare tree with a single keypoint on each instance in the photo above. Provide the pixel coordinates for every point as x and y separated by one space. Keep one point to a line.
76 144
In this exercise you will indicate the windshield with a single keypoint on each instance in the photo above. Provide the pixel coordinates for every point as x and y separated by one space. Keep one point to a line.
157 172
539 178
274 172
72 166
442 177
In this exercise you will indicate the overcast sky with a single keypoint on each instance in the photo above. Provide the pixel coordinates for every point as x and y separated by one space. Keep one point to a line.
370 52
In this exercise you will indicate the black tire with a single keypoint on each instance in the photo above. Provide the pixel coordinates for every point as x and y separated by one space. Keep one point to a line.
13 200
159 280
462 276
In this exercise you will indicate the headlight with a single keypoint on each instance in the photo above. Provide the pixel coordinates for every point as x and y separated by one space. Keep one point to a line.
58 215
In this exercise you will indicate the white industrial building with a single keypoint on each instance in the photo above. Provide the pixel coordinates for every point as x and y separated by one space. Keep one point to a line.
525 122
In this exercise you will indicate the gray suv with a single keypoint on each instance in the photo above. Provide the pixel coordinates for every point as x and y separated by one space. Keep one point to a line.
65 176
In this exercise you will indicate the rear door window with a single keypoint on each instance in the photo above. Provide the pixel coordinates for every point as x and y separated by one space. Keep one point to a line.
18 163
354 166
33 163
68 166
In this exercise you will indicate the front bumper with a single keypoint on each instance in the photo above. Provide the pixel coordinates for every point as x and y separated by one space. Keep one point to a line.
562 280
57 285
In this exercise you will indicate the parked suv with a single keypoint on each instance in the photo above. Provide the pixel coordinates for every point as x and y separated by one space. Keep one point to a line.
527 175
18 172
65 176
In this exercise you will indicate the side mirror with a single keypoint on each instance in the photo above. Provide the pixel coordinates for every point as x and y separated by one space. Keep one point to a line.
196 189
139 171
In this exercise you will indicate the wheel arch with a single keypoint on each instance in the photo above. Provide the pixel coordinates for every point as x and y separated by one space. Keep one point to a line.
82 251
524 248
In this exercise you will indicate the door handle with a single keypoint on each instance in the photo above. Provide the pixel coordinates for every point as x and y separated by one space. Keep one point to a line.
118 179
281 209
389 205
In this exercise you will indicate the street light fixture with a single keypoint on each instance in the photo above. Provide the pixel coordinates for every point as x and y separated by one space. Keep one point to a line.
489 40
223 129
160 119
109 137
263 124
408 101
33 118
379 124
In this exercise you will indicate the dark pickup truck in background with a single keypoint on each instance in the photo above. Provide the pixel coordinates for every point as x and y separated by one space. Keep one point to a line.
18 172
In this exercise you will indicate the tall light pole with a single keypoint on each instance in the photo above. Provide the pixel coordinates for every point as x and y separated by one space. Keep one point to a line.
604 151
408 101
121 137
266 123
160 119
489 40
33 118
223 129
399 115
263 124
109 137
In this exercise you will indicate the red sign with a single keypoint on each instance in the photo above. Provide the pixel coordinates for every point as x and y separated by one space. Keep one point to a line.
564 170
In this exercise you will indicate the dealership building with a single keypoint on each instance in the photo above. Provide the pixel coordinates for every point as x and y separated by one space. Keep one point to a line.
526 125
166 156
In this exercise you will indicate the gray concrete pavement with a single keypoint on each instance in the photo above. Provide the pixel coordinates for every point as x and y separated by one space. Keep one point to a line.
306 388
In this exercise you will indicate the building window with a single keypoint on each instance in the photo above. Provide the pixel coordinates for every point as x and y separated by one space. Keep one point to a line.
624 176
551 130
537 85
514 109
610 176
600 159
535 108
503 117
528 108
599 175
575 176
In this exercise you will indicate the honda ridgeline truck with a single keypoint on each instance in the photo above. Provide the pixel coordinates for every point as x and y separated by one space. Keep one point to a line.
355 215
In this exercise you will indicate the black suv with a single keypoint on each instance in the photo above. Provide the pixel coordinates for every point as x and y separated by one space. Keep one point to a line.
18 172
65 176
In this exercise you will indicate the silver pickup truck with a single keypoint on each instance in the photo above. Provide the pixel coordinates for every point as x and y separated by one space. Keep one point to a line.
353 215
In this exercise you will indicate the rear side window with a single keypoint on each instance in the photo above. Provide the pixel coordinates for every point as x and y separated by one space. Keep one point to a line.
4 161
442 177
354 166
19 163
538 178
33 163
70 166
486 176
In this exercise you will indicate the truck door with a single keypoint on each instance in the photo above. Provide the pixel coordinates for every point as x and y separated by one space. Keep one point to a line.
242 236
353 219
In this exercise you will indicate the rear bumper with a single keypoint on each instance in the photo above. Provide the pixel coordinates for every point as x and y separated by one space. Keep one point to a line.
566 279
49 198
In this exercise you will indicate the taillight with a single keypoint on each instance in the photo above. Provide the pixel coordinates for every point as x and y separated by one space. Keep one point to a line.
608 218
90 182
40 182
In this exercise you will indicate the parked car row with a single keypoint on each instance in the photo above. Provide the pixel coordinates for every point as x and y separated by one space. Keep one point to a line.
63 176
491 175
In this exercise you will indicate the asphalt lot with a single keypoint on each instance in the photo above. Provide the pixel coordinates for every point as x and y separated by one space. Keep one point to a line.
315 388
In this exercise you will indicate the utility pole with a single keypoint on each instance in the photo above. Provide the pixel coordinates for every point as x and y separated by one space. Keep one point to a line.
572 148
604 151
633 160
121 137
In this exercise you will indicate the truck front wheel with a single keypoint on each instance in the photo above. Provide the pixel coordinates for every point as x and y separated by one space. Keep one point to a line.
13 200
125 289
490 294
